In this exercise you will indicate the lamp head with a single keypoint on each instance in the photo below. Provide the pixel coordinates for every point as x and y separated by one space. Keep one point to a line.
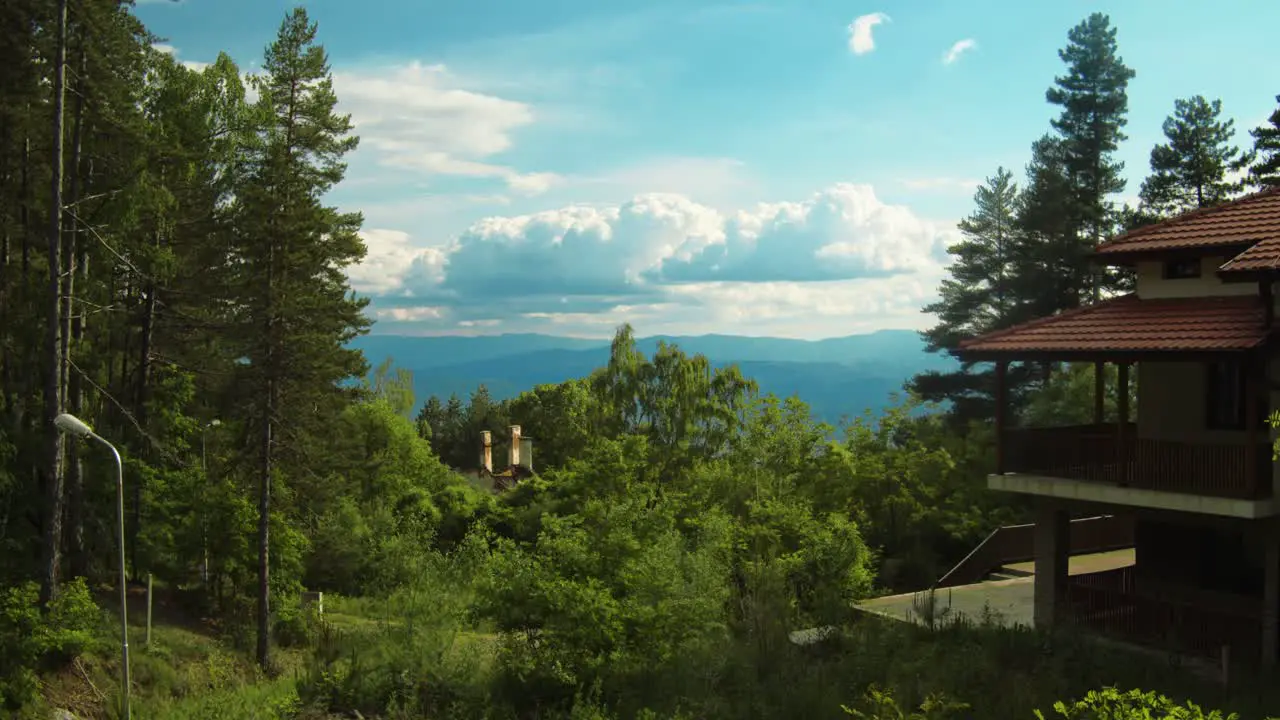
215 422
72 425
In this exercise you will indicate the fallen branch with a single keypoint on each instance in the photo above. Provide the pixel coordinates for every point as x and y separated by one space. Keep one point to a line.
85 674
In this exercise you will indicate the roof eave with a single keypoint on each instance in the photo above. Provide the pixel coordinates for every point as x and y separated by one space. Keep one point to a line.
1102 355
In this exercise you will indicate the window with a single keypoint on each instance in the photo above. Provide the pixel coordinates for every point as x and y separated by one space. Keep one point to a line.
1224 396
1182 269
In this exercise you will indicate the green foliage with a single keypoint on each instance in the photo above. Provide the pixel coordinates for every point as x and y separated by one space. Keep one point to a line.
35 641
1112 704
1265 171
881 705
1191 169
978 296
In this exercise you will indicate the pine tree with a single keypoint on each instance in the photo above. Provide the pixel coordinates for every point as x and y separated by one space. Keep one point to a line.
51 557
292 252
429 420
979 296
1053 265
1094 99
1265 172
1193 168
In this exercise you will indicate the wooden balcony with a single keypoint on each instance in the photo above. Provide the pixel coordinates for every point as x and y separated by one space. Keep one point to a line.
1110 603
1103 454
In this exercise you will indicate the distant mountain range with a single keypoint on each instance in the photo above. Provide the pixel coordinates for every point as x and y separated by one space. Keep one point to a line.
837 377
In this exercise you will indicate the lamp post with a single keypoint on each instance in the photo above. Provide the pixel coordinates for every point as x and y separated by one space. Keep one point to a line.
73 426
204 468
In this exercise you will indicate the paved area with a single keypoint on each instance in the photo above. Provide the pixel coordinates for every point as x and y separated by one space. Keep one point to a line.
1085 564
1010 601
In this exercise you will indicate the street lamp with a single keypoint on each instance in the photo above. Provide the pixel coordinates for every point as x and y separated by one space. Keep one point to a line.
73 426
204 468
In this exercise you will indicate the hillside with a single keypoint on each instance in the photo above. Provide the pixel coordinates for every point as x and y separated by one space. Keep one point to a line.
837 376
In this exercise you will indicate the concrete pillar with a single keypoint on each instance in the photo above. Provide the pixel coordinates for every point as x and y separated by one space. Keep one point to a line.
486 452
1271 599
526 452
1053 553
515 445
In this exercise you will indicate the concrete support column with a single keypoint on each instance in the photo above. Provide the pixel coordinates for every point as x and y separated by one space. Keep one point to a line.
1053 553
1271 600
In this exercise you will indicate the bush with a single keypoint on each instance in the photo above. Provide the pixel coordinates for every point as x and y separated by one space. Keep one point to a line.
32 641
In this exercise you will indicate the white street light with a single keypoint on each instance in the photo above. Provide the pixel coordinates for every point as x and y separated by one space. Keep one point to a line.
75 427
204 468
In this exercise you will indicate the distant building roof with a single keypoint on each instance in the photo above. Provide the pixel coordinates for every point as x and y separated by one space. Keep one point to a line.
1128 324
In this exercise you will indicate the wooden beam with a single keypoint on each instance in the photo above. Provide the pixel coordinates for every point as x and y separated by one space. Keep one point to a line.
1254 369
1122 421
1268 302
1099 392
1002 377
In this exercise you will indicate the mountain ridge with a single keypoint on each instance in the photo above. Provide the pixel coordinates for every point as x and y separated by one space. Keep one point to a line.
841 376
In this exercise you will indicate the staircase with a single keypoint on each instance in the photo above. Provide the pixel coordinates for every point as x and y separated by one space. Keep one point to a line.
1016 544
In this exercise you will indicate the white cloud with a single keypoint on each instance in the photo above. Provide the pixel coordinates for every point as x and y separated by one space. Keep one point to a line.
861 41
840 259
171 50
957 49
418 117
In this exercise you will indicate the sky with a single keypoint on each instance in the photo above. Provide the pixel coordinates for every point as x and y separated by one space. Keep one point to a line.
793 168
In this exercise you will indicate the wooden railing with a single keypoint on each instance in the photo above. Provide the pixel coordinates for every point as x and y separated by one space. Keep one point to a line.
1111 603
1016 543
1097 453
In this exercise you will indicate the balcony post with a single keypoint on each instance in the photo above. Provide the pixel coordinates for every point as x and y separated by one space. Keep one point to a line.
1099 392
1122 423
1271 598
1001 401
1252 422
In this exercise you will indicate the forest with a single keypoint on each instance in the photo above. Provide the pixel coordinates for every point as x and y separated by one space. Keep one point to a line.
171 274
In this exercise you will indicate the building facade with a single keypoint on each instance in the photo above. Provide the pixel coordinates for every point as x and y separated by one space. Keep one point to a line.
1191 464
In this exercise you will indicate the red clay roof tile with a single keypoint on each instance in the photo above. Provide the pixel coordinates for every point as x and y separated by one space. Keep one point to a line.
1263 256
1245 221
1128 324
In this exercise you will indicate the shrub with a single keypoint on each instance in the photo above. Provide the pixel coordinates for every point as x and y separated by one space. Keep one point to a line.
32 641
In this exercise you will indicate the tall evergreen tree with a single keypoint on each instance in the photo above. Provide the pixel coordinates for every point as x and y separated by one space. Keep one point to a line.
51 557
291 251
979 296
1193 168
1093 97
1265 172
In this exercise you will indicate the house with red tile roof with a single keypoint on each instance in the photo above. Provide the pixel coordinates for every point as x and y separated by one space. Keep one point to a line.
1191 465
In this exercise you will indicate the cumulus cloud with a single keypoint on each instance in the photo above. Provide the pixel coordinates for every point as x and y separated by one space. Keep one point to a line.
841 256
171 50
861 41
841 233
957 49
419 117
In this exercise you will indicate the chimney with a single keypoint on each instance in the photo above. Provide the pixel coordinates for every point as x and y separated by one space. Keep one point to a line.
526 452
486 452
515 445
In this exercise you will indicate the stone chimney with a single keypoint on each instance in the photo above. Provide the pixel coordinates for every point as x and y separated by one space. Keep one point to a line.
515 445
486 452
526 453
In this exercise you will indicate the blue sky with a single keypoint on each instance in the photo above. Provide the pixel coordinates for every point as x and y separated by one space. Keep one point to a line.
563 166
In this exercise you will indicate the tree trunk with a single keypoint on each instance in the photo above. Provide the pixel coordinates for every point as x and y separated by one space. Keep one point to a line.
264 535
264 489
142 395
74 332
26 205
51 552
